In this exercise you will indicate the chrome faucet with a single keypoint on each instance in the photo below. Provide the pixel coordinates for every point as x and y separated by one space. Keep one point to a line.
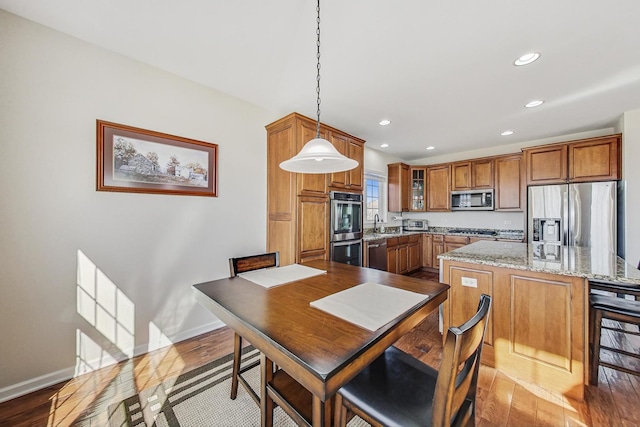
376 218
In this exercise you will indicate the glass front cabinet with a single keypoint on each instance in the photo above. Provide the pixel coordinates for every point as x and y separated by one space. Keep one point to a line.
418 186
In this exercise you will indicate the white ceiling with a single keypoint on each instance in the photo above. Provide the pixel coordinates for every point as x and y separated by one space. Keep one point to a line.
440 70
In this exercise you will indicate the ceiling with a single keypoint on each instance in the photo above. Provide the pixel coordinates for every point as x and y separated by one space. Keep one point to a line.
441 71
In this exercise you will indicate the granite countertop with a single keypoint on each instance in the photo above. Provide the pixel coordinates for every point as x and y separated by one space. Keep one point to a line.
589 263
397 231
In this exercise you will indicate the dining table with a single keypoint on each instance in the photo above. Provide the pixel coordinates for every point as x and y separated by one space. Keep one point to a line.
311 330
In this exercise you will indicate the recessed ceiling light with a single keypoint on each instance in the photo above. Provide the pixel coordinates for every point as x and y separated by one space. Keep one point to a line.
535 103
384 145
507 133
384 122
527 58
431 147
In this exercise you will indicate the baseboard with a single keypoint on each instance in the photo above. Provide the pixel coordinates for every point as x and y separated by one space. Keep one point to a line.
34 384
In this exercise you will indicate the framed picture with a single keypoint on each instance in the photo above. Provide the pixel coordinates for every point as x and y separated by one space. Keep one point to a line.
136 160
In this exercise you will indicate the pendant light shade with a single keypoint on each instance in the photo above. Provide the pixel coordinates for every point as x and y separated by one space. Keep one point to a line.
318 155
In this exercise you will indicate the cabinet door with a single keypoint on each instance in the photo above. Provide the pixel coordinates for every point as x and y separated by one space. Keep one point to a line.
438 189
510 188
427 250
546 165
461 176
398 187
392 260
312 228
310 184
467 284
482 174
595 160
403 259
451 246
438 248
418 187
415 261
341 142
356 175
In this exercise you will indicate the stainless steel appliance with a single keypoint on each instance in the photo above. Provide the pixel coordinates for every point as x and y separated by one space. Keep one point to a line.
346 228
583 214
377 254
472 200
415 225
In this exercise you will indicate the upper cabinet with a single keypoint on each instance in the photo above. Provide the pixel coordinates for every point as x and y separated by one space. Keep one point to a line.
351 180
418 189
472 174
398 175
509 183
586 160
439 188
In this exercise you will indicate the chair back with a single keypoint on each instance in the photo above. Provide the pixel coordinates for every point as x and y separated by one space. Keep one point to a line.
253 262
454 399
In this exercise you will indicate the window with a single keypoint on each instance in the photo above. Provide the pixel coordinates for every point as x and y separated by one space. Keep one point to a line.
374 196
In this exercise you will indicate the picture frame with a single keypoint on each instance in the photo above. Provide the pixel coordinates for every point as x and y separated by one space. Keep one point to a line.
135 160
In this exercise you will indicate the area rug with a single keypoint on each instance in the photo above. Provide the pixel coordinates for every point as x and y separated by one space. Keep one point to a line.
200 398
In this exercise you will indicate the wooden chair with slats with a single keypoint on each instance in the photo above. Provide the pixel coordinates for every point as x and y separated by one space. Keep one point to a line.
615 308
237 266
399 390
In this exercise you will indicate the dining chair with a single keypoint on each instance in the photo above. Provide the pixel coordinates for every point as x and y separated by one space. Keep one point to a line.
237 266
399 390
617 309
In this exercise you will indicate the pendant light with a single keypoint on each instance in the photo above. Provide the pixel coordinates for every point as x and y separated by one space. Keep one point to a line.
318 155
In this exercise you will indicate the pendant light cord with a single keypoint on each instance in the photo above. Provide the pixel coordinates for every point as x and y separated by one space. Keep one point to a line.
318 69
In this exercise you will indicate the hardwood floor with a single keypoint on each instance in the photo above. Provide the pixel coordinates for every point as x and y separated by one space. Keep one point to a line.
501 400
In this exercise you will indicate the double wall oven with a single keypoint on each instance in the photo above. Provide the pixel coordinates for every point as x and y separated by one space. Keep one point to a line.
346 228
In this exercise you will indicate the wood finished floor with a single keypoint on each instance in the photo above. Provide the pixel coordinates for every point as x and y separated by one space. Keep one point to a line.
502 400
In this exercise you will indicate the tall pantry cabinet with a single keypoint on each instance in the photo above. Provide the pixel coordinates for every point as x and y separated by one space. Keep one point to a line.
298 204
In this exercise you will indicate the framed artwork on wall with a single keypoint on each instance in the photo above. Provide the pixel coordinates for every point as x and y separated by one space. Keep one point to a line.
137 160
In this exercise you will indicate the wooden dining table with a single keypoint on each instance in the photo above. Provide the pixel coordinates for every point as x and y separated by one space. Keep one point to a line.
315 351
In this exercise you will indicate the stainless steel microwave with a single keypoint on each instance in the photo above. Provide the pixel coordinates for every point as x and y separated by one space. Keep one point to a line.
472 200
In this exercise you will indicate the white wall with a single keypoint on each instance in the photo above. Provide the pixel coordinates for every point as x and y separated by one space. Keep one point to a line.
139 254
631 174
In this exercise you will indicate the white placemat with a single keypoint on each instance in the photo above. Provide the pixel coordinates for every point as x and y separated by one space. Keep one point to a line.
270 277
369 305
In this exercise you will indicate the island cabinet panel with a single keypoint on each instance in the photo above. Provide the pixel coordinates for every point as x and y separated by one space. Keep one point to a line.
467 284
538 321
541 331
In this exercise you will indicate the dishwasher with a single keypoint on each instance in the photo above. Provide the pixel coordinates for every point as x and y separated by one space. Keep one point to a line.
377 254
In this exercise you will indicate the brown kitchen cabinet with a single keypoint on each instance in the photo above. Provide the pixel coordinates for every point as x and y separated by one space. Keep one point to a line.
472 175
510 187
427 250
398 191
298 204
437 249
585 160
455 242
439 188
351 180
415 252
418 189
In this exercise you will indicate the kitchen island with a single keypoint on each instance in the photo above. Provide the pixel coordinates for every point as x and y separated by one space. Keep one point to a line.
538 325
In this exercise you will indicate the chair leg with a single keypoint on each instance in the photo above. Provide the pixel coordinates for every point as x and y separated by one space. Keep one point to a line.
340 412
596 329
237 356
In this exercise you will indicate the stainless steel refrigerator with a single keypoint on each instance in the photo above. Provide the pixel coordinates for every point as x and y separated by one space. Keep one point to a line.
583 214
